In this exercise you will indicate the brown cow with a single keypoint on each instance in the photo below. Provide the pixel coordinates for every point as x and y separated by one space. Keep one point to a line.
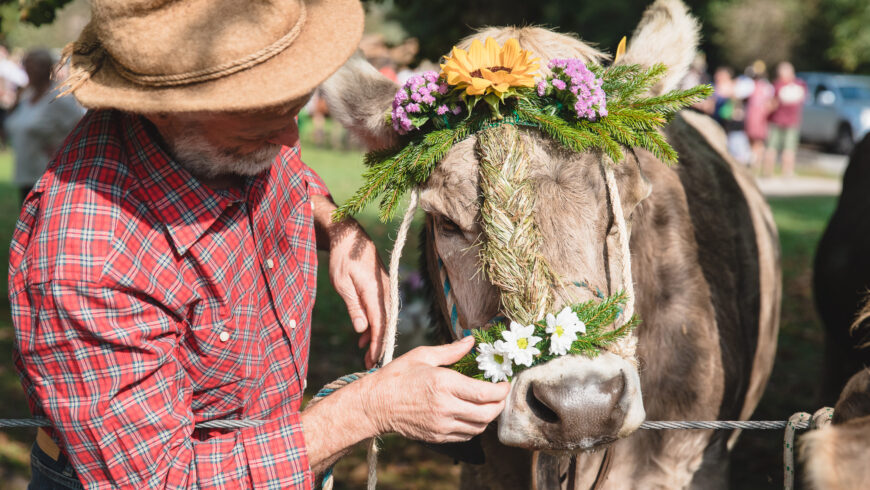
705 267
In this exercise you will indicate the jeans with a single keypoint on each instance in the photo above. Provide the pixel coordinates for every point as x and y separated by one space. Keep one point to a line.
49 474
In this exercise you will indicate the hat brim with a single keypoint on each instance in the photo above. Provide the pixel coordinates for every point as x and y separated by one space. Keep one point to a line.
325 42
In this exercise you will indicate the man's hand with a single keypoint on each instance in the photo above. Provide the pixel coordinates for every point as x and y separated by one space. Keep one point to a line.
411 396
356 273
419 400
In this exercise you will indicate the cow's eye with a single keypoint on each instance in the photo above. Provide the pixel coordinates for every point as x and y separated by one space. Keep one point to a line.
447 226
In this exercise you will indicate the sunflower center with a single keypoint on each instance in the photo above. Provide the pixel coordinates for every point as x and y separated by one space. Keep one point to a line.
498 358
478 74
522 343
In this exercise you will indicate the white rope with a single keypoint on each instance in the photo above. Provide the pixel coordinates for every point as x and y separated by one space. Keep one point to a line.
389 341
625 347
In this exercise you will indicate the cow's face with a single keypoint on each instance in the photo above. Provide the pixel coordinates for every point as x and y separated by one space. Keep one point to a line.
572 402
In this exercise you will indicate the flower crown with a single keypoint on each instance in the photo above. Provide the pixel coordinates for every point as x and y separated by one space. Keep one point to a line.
583 107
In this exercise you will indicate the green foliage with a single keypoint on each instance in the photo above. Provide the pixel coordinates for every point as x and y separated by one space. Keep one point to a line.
633 121
597 316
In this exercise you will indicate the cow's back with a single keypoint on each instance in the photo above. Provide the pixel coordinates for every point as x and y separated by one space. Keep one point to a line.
739 252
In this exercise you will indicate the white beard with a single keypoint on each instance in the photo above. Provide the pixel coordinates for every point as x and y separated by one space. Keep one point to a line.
204 160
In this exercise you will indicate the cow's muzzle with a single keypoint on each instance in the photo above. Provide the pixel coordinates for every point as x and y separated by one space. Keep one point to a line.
573 403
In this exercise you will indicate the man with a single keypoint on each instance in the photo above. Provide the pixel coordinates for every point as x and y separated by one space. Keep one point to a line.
162 272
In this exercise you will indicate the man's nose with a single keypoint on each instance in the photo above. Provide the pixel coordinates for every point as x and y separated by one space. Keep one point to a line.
287 136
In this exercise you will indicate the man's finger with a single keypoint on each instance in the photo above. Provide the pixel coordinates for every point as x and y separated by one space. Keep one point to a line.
364 339
444 355
474 413
354 307
476 391
374 304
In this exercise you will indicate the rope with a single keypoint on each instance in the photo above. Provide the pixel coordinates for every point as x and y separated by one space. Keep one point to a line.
627 346
648 425
800 420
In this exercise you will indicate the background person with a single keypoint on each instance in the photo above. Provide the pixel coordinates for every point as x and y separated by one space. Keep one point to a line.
789 94
39 122
757 110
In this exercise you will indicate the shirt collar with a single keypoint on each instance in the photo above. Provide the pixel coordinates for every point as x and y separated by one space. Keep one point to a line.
187 207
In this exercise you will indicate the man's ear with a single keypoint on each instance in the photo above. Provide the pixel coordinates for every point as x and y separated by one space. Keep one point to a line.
360 98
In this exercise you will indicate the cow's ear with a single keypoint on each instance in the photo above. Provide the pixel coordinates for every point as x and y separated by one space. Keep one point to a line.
359 97
667 34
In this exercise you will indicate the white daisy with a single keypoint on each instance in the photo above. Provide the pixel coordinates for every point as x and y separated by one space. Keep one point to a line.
520 343
493 361
564 328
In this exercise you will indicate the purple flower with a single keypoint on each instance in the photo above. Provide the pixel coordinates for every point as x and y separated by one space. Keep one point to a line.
456 110
411 108
432 87
401 96
415 82
583 94
416 97
430 76
443 88
442 109
428 99
542 88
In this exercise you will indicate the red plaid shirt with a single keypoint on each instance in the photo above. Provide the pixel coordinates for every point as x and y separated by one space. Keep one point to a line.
145 302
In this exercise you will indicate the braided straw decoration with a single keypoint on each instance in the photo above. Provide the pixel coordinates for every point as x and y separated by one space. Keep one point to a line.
510 252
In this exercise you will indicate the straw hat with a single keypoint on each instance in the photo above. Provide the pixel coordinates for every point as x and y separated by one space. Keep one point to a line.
209 55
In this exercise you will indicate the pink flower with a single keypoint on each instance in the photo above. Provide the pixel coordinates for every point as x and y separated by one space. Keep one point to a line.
559 84
442 109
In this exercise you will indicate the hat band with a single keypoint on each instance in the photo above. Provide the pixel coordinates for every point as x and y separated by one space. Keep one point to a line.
221 70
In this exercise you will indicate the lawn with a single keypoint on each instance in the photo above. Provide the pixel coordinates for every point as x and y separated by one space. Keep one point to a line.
408 465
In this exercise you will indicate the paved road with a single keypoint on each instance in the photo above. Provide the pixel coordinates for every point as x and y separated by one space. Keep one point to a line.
819 174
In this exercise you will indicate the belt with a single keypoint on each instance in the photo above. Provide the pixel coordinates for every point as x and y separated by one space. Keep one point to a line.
48 446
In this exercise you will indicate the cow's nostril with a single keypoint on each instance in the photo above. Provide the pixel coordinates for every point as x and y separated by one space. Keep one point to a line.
538 406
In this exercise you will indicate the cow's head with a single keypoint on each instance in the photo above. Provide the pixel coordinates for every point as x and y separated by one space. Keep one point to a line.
572 402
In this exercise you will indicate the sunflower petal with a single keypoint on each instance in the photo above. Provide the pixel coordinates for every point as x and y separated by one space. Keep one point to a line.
510 53
478 86
492 53
477 55
460 56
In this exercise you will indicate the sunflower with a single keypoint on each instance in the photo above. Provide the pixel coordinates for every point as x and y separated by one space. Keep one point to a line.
490 69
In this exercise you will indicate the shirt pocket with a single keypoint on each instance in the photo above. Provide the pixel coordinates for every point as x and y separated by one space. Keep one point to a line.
225 365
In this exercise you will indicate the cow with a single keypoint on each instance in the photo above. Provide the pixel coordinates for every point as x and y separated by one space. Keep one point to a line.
835 456
705 269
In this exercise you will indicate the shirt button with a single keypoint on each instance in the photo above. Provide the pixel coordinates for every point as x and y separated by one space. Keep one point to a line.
292 323
224 336
270 263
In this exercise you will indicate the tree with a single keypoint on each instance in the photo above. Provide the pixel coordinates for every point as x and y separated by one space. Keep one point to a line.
747 30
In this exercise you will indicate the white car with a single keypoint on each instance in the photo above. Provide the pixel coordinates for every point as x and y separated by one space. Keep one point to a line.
836 111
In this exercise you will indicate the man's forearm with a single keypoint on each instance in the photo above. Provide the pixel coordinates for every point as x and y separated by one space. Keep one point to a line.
324 228
336 423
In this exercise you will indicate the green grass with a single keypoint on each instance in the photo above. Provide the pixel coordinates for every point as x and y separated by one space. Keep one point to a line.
407 465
